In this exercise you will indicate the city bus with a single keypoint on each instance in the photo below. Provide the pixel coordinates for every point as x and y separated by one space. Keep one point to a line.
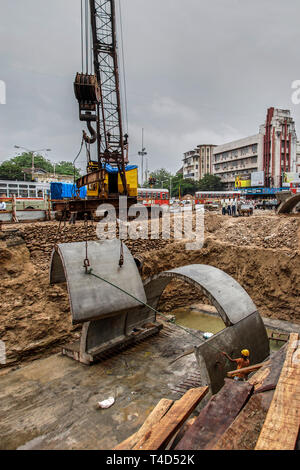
29 195
150 197
215 197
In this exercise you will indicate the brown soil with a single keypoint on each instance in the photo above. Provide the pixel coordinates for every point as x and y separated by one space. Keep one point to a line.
261 252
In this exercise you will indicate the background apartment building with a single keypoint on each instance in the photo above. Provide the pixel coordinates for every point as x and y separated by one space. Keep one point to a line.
198 162
298 158
238 158
279 147
271 153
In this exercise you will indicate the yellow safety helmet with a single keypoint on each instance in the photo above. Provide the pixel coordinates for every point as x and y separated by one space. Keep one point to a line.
245 352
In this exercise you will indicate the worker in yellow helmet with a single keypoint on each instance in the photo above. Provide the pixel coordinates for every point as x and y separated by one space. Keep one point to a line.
243 361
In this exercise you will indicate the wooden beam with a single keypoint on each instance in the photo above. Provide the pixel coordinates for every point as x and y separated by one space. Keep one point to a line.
155 416
281 427
216 417
246 370
245 429
161 434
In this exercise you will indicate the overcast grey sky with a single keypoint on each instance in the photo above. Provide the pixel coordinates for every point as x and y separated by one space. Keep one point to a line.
197 71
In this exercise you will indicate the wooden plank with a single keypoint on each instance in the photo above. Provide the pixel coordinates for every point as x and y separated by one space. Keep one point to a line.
155 416
246 370
161 434
245 429
181 432
216 417
281 427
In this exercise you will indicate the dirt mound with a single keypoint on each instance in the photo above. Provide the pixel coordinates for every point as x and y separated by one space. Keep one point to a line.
270 277
266 232
40 239
33 314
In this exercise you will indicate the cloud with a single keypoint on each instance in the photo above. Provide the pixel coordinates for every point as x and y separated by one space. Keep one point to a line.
199 71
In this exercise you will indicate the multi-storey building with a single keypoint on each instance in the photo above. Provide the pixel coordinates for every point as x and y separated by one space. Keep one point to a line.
278 147
272 152
298 158
198 162
238 158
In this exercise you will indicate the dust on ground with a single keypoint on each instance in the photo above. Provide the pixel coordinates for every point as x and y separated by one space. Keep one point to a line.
261 252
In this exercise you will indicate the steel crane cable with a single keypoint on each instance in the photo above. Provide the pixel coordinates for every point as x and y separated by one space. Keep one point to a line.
64 216
87 35
82 36
123 61
77 156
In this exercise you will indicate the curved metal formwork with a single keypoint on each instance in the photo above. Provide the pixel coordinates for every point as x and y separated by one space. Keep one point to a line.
244 325
110 317
225 293
287 206
91 299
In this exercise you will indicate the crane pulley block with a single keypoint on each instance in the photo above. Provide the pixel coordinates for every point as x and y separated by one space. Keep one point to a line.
87 92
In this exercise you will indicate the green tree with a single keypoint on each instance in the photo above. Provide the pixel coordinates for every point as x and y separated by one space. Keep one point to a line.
210 183
66 168
13 169
162 177
186 186
25 161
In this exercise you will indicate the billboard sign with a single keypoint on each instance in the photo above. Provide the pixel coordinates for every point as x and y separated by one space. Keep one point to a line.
243 181
257 179
289 178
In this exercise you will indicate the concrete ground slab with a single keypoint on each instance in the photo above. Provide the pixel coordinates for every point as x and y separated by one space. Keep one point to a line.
52 403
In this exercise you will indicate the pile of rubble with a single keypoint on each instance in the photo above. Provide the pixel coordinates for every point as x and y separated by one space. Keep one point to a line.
41 238
267 232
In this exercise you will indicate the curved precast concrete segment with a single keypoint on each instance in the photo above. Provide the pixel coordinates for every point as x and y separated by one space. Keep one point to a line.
287 206
91 298
225 293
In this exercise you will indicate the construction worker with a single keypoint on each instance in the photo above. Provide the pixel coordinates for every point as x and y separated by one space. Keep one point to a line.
224 207
229 207
233 207
241 362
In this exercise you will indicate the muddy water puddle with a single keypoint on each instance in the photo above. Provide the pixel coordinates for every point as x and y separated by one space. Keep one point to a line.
197 319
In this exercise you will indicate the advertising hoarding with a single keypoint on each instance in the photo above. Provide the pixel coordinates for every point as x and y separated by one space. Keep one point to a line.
243 181
257 179
289 178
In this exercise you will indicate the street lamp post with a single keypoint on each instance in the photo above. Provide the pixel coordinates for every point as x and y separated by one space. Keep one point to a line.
32 152
147 169
142 154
